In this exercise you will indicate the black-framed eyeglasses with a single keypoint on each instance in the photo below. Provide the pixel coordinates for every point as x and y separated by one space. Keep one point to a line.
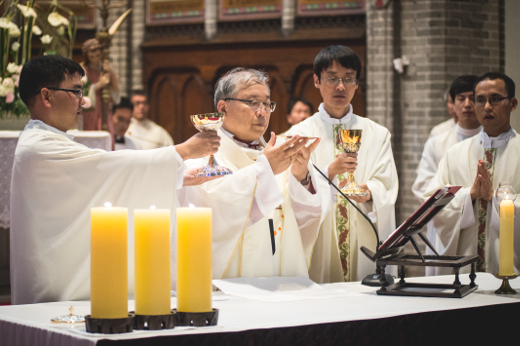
335 81
494 100
77 92
255 104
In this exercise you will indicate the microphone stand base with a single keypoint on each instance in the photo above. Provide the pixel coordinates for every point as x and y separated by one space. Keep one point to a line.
373 280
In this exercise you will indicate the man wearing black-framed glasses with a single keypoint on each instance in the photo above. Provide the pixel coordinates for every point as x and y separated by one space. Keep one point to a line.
469 225
268 209
56 181
336 258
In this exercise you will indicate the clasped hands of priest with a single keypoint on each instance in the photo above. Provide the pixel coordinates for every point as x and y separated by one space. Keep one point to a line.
482 187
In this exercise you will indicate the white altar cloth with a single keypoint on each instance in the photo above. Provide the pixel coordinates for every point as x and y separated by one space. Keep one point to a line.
30 324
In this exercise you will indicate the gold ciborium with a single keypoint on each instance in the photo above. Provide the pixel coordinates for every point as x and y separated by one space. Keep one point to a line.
351 142
210 122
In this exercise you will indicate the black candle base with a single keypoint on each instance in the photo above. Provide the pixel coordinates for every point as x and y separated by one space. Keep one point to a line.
109 325
197 319
155 322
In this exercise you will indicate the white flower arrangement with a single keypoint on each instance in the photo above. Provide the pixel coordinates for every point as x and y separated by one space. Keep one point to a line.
15 47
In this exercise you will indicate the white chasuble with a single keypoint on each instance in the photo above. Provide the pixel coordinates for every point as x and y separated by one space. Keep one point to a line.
55 182
242 204
457 223
376 168
434 150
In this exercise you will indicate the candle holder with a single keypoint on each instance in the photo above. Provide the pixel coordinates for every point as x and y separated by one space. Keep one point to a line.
505 288
196 319
155 322
110 325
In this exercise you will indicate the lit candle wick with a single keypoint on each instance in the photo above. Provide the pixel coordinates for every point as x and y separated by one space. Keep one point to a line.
108 204
191 205
152 207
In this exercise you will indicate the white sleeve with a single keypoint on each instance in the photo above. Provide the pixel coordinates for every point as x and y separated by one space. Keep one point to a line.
306 206
425 170
267 196
468 213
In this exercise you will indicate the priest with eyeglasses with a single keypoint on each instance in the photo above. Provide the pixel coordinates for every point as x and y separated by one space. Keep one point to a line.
56 181
266 214
344 230
469 224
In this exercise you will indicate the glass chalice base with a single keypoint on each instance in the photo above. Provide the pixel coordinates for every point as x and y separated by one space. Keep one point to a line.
210 122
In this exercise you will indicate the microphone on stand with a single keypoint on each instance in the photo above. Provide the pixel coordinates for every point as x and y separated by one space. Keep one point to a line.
371 279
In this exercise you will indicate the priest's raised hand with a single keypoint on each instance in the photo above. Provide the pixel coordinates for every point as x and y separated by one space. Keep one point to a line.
279 157
299 167
202 144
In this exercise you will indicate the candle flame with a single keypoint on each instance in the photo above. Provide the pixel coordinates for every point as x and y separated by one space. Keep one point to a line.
108 204
152 207
191 205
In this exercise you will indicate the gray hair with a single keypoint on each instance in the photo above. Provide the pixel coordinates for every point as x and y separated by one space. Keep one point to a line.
237 79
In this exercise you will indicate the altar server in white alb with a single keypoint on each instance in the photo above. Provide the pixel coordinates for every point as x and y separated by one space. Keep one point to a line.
469 224
336 256
267 213
461 90
56 182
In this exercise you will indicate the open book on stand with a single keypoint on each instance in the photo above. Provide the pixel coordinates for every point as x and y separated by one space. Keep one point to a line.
389 253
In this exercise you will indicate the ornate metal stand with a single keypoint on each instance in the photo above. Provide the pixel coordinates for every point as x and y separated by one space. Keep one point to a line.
110 325
403 288
505 288
155 322
197 319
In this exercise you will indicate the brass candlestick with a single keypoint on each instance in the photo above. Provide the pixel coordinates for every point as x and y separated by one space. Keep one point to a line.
351 142
505 288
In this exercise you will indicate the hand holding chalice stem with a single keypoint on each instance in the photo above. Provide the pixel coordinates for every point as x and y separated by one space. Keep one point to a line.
210 122
351 142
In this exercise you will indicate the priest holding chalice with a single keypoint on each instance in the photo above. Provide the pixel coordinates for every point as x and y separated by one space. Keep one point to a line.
266 213
344 230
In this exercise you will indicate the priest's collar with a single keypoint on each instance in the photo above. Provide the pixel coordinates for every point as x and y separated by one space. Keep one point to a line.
328 119
40 125
241 143
495 142
466 133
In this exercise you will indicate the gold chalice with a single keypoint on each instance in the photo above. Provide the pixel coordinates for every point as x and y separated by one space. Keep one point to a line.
351 142
209 122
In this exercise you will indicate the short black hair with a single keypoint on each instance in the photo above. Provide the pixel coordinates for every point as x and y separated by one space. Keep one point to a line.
124 103
344 55
510 84
303 100
140 92
462 84
45 71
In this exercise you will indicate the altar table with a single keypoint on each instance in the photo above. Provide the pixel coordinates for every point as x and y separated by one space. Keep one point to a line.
356 317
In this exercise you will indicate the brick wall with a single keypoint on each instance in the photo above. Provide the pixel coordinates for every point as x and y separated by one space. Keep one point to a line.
442 39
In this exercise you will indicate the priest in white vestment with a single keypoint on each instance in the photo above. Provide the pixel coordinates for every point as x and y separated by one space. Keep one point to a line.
144 131
461 91
344 230
56 181
267 213
448 124
469 224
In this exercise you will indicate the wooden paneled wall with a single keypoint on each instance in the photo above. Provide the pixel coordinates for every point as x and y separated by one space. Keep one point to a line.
181 79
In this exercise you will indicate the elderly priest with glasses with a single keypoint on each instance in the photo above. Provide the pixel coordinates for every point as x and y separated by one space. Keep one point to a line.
267 213
56 182
469 224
